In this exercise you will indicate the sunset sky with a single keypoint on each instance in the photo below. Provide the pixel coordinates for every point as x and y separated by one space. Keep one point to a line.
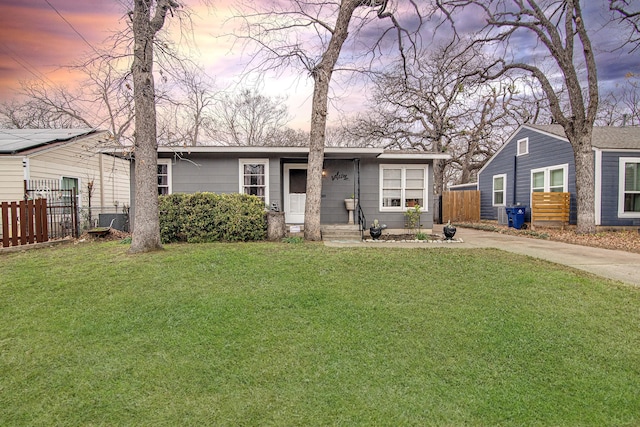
36 42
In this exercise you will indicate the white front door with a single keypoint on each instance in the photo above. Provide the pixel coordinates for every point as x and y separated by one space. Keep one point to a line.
295 188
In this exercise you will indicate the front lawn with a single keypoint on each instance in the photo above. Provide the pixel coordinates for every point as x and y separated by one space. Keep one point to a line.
301 334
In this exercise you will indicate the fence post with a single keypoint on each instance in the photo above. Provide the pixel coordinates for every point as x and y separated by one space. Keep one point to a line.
41 220
30 221
75 214
13 209
5 224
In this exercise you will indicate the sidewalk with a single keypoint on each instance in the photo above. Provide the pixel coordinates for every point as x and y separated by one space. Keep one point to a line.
615 265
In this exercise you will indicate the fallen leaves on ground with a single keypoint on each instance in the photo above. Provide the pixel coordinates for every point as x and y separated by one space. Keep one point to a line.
623 240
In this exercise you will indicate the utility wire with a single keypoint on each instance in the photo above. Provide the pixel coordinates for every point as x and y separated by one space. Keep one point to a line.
72 27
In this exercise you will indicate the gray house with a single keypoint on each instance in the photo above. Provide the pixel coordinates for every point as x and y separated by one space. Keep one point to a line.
540 158
385 183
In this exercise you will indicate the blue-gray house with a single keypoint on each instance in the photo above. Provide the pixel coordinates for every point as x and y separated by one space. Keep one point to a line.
385 183
540 158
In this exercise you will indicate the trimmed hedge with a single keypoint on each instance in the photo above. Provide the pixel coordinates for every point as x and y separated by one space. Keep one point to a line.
210 217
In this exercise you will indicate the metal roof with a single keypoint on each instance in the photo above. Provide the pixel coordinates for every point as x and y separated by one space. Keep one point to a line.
14 141
603 137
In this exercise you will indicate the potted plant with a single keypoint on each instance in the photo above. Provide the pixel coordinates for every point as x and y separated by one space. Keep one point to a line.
449 231
376 229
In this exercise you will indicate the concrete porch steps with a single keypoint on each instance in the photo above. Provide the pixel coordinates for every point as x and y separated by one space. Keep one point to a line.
341 233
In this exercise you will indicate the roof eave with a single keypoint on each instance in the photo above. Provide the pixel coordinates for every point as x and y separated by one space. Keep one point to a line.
414 156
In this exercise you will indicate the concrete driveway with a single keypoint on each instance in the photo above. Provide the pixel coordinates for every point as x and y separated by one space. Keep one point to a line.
611 264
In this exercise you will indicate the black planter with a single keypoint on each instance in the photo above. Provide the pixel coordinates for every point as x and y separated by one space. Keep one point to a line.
449 231
375 232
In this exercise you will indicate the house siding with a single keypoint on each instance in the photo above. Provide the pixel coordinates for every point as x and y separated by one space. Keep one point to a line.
370 195
198 172
201 173
610 178
82 160
544 151
11 179
79 159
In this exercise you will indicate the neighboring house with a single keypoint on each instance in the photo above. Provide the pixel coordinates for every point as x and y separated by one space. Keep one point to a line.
540 158
71 157
385 182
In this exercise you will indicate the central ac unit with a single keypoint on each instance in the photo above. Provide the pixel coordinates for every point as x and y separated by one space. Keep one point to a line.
503 218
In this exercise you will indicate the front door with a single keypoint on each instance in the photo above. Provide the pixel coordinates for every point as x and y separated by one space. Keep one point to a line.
295 189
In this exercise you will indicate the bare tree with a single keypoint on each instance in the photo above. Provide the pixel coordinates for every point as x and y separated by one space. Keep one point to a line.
288 137
558 27
112 92
620 106
46 106
145 26
441 105
284 37
191 106
104 99
249 118
628 12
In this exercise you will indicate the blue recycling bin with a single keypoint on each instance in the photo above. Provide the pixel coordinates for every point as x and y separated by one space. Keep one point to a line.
515 214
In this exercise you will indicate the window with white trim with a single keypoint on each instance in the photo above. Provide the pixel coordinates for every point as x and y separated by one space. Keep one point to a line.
499 189
629 198
553 179
403 187
164 176
254 178
523 146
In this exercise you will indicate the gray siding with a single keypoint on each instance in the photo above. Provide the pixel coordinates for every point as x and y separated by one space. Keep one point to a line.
610 174
370 196
544 151
201 173
220 174
339 183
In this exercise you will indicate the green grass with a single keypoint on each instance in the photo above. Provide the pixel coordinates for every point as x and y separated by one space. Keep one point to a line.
281 334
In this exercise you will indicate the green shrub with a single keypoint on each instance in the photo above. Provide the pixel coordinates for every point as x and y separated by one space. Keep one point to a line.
210 217
413 219
170 218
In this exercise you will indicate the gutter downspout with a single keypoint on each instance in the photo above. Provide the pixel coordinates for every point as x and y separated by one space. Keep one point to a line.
597 172
515 179
101 166
25 168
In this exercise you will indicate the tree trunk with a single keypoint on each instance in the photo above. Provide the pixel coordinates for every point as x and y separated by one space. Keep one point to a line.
276 226
321 79
585 185
146 233
438 188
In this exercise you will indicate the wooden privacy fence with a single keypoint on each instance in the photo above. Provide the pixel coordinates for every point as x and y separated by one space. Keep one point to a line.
461 206
24 222
550 207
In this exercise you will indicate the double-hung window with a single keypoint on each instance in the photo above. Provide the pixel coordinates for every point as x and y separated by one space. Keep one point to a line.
164 176
553 179
499 190
403 187
629 198
254 178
